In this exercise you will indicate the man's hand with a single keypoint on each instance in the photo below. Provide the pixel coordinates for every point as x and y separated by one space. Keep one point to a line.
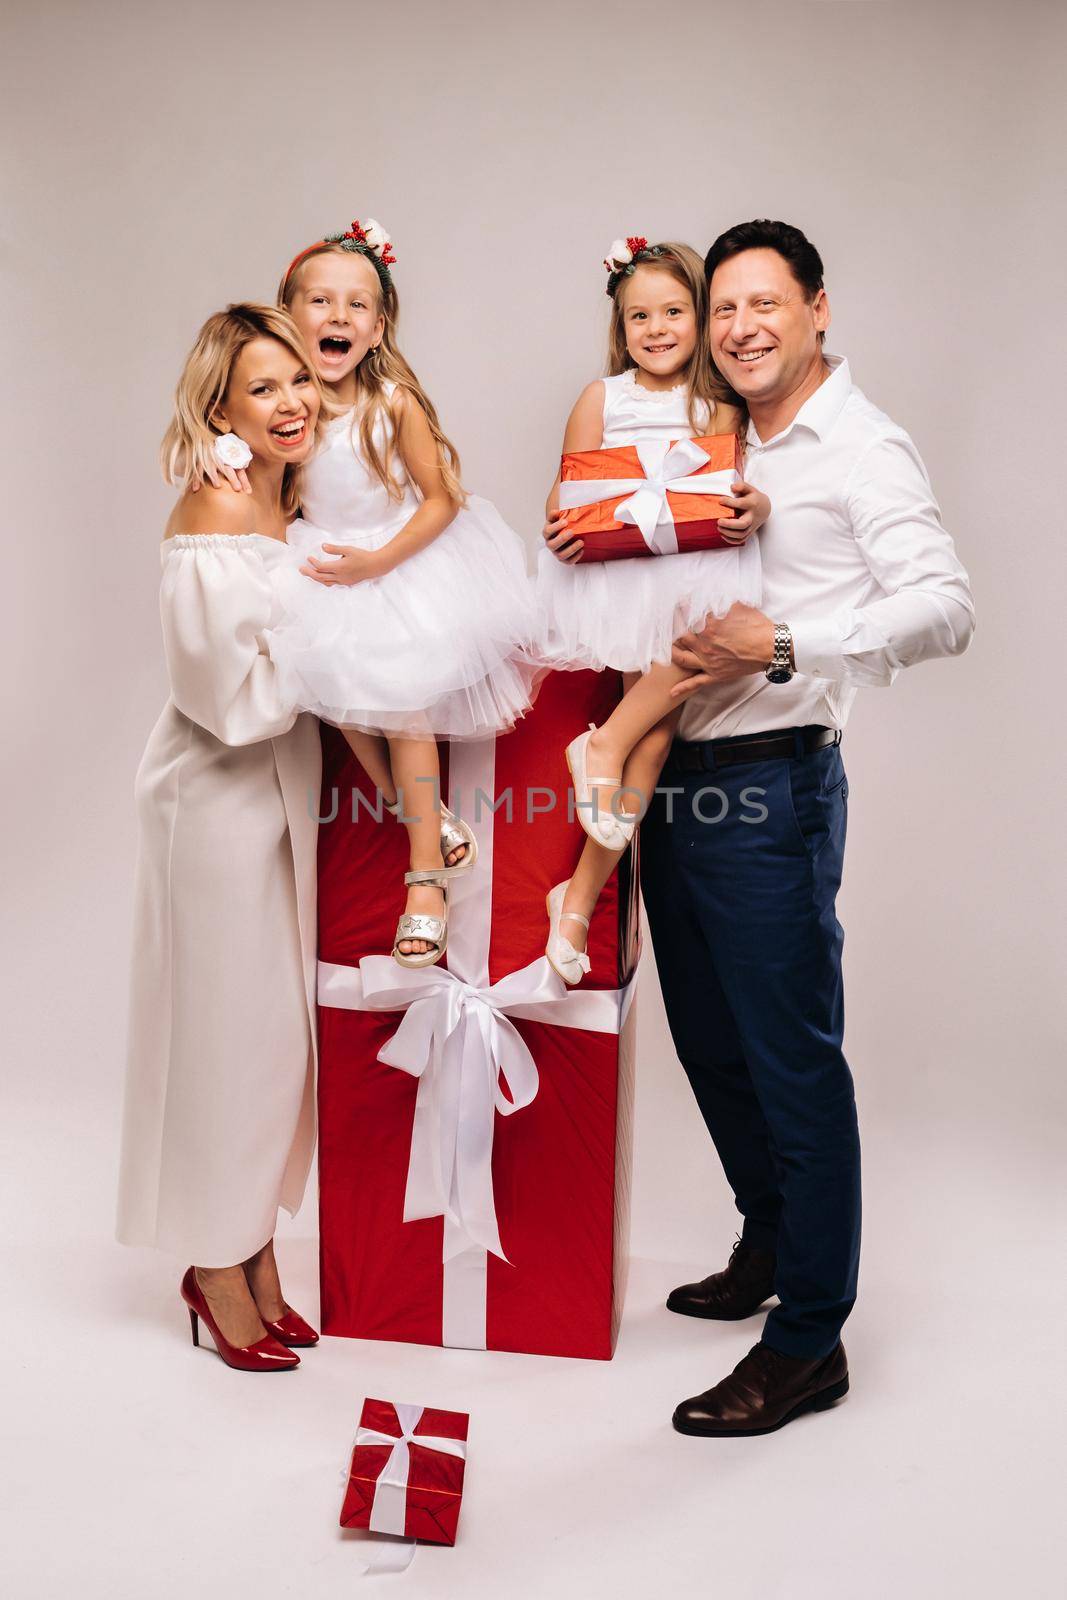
559 540
734 646
352 566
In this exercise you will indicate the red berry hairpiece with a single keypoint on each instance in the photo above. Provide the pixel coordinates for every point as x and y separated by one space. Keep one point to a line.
624 256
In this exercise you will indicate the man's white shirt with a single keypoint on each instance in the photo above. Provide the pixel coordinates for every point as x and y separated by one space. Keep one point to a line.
855 560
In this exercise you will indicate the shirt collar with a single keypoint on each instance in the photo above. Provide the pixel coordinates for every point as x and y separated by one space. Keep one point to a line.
821 410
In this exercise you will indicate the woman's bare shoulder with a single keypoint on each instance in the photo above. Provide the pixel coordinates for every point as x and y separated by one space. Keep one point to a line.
211 510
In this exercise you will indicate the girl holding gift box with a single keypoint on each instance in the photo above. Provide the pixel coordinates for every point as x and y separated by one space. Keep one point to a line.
416 626
626 614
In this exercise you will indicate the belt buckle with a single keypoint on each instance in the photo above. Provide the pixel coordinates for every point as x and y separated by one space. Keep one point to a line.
688 757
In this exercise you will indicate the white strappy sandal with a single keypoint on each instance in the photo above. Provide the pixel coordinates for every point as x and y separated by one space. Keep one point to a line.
604 828
571 964
454 834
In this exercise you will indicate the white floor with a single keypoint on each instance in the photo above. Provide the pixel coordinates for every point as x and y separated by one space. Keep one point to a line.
138 1466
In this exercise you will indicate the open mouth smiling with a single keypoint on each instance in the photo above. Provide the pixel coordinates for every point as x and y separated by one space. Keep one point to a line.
290 433
749 357
335 346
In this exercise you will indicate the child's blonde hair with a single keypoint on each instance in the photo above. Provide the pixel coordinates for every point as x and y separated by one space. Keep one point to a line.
187 451
704 383
380 366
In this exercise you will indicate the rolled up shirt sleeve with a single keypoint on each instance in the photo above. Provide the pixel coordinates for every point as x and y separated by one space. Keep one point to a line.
925 608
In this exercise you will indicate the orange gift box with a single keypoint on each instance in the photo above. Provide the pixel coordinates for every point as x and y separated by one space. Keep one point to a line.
648 499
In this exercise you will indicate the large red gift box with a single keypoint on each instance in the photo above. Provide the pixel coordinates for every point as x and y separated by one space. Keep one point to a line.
655 498
536 1191
406 1473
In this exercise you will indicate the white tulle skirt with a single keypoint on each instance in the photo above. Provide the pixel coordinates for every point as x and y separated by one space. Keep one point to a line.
438 647
627 614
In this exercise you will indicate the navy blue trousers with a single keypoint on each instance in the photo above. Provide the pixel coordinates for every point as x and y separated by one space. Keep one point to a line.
740 869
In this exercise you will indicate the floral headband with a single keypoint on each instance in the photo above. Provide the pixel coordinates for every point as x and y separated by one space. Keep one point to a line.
624 255
371 241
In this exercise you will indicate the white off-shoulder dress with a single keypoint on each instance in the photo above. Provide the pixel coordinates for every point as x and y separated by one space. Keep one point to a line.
626 614
219 1115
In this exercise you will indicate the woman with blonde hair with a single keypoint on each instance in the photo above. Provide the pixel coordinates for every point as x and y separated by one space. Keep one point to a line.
219 1118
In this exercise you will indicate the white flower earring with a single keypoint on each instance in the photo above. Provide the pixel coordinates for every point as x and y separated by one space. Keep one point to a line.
231 451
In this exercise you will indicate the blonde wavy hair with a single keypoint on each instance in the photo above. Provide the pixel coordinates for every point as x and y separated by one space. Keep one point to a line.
187 449
704 383
379 367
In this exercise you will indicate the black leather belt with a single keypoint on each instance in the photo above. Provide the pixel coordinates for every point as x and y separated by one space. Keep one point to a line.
780 745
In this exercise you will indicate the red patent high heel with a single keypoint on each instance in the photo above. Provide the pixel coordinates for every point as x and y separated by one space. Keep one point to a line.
266 1355
292 1330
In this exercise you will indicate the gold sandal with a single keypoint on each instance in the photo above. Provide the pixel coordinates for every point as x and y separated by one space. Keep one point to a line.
420 925
454 834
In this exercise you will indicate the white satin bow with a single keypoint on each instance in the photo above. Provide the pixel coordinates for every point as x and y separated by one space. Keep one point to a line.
668 469
461 1044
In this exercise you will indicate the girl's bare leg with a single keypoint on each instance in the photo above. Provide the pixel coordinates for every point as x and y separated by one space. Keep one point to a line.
596 864
646 702
371 750
414 760
372 753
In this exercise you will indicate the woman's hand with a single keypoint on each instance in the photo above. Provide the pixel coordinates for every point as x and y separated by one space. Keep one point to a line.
753 509
218 474
555 535
352 566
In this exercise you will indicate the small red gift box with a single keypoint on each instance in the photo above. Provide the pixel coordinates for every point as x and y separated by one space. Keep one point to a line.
655 498
479 1196
406 1475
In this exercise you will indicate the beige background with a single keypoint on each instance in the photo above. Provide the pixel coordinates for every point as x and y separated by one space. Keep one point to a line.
162 160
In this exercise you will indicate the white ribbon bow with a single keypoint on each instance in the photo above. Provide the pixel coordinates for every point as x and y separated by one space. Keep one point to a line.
461 1044
667 470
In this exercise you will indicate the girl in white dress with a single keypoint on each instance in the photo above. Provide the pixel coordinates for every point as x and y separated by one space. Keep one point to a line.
626 614
410 614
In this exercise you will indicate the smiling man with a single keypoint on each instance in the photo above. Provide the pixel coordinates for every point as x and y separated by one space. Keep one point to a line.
742 851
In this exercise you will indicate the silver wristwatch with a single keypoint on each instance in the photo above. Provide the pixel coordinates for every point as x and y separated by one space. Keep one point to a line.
781 667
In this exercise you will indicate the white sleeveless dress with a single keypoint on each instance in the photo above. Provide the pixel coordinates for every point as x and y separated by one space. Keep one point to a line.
626 614
435 648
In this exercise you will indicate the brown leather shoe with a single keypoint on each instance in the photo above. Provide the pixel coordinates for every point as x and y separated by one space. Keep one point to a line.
728 1296
764 1392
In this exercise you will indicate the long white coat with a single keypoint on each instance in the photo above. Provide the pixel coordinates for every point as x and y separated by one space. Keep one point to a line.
219 1117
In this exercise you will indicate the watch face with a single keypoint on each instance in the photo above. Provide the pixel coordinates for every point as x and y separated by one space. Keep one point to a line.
779 675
